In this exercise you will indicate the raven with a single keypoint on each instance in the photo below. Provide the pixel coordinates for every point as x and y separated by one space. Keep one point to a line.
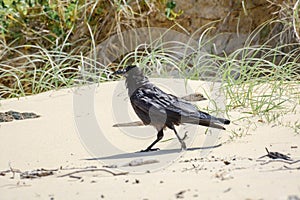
159 109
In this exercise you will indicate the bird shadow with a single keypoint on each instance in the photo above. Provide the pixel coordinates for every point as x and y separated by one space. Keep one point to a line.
151 153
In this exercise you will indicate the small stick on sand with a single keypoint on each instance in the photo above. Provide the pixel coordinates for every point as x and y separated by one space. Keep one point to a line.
284 161
95 170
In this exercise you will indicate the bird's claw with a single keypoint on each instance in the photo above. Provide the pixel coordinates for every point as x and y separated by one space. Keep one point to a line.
183 146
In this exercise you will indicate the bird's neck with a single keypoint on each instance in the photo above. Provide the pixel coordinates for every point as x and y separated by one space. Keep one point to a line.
135 81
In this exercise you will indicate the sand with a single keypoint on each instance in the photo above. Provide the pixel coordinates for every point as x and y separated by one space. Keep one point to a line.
75 133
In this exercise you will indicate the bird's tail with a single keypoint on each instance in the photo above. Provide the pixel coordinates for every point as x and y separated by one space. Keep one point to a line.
210 123
222 120
214 122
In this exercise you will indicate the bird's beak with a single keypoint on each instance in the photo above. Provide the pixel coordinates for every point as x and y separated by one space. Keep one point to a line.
119 72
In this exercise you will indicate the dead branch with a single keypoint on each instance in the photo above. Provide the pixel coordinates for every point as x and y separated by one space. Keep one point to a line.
275 155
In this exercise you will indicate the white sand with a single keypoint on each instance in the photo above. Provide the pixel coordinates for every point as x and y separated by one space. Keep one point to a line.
68 133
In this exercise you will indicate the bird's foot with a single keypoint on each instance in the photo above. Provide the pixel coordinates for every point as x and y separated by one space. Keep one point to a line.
181 140
149 150
183 146
184 137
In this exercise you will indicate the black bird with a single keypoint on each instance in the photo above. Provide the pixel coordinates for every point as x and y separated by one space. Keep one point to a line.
159 109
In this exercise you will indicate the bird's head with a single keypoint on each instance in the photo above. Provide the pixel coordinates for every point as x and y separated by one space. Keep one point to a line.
125 70
134 77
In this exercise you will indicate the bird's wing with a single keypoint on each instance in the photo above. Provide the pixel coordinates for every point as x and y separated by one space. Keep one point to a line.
185 112
156 104
147 107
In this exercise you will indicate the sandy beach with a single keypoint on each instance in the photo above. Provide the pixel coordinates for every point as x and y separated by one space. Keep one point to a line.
80 155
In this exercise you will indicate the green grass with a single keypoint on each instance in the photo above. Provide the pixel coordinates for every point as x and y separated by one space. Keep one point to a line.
262 81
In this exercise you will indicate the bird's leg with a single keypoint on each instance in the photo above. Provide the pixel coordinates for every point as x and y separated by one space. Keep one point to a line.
181 140
160 135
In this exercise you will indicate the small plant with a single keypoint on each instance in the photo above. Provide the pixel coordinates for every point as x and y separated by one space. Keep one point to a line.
37 18
170 12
